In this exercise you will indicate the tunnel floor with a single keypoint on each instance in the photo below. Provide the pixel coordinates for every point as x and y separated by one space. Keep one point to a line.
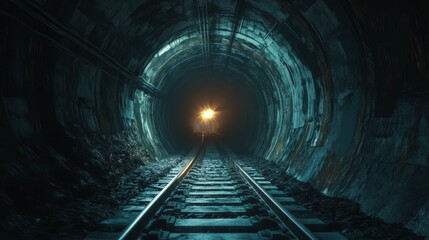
72 198
340 215
96 201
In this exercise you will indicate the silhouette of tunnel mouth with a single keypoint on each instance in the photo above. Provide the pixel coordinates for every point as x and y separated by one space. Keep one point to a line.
275 75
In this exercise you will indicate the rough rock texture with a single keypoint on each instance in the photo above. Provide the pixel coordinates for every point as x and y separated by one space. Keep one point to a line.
46 194
340 214
390 180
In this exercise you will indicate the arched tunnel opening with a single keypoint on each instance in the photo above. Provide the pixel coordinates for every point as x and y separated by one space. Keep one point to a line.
233 101
326 98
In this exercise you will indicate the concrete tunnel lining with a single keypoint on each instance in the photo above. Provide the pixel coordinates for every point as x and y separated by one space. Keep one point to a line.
275 61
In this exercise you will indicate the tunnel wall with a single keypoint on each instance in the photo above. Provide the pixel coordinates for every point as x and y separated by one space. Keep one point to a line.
67 131
46 88
76 94
375 149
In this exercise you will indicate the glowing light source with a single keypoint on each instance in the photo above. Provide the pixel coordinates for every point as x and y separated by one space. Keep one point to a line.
207 114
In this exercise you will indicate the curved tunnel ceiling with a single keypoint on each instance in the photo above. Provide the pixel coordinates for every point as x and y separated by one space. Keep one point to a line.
293 61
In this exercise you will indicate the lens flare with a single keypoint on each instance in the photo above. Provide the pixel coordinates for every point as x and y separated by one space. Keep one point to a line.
206 121
207 114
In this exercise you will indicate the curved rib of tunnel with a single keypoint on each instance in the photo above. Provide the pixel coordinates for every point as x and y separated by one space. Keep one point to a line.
323 88
262 87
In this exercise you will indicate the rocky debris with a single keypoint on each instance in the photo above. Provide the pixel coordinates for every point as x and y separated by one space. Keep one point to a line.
63 190
341 215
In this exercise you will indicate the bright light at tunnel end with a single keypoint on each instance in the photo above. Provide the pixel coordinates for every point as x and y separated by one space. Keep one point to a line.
206 122
207 114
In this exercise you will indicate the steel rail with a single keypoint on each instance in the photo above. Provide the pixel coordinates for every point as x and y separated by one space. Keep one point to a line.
137 226
287 218
295 226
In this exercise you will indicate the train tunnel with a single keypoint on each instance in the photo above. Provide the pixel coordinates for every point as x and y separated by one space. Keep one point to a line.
96 95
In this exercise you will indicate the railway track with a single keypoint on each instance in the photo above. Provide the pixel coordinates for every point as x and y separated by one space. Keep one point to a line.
214 196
